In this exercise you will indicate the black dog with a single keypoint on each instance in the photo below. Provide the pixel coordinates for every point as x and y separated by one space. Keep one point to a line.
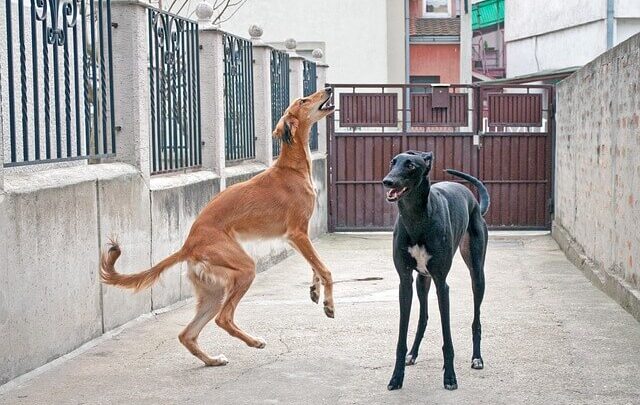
432 223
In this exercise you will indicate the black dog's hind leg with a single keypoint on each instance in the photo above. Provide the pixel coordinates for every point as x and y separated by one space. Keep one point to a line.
405 295
442 289
473 249
423 284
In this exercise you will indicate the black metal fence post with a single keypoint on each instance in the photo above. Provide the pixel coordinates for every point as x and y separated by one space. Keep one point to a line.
279 90
238 94
174 92
309 86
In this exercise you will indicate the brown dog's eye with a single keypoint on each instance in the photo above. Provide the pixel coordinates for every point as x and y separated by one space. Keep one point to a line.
303 100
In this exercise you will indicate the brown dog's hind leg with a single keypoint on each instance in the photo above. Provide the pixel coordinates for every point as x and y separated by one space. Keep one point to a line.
301 242
239 283
209 298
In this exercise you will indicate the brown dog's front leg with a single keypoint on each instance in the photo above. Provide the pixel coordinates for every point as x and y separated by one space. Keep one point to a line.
302 243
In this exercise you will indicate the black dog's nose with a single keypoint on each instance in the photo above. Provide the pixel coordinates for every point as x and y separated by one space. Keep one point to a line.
387 182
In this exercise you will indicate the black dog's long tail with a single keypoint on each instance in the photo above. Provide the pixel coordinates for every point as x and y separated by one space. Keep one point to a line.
485 200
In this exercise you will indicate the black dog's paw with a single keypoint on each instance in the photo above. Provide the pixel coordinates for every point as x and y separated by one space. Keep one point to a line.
410 360
477 364
450 383
395 383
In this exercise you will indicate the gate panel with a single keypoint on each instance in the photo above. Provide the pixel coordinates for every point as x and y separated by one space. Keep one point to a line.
515 157
373 123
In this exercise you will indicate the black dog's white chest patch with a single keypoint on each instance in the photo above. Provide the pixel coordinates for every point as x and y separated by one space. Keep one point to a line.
420 254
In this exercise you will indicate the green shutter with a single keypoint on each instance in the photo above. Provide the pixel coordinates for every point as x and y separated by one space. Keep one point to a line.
487 13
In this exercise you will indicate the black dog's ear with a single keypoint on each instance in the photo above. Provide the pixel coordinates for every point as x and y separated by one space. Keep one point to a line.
428 159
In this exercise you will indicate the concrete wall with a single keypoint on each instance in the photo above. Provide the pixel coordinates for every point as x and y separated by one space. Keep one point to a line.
597 188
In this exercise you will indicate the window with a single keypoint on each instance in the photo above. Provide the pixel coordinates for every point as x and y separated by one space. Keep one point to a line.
436 8
423 80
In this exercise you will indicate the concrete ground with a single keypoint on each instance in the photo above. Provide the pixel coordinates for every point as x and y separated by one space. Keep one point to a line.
550 337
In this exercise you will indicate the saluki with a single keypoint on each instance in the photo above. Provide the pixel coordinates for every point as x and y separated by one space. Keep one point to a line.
276 203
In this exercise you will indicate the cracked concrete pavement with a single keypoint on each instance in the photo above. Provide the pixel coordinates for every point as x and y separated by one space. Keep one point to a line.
549 336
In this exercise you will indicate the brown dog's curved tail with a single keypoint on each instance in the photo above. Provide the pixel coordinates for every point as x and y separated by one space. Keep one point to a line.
485 200
137 281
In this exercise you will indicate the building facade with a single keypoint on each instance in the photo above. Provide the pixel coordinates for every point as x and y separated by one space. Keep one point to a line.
551 35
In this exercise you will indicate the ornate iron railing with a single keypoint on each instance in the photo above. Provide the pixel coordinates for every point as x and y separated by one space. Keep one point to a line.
238 92
279 90
309 86
57 80
174 84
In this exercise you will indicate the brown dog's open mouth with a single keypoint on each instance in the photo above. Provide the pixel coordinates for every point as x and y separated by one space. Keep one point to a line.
394 194
327 106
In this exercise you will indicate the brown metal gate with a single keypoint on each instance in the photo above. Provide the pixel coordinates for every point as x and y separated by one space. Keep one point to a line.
498 133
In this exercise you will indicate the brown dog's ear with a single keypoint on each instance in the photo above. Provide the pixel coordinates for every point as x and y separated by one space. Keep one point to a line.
285 129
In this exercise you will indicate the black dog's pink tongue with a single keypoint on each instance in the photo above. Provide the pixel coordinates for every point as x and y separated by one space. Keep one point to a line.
392 193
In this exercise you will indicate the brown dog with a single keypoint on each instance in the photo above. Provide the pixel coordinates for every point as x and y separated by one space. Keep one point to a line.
276 203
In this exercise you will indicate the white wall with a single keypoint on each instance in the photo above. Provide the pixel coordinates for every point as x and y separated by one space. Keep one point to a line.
542 34
569 47
355 32
626 28
525 18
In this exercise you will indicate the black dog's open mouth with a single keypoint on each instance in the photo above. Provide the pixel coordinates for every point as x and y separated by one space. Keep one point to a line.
394 194
327 106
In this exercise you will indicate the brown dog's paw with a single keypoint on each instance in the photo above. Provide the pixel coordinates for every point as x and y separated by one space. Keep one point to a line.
314 294
220 360
329 311
259 343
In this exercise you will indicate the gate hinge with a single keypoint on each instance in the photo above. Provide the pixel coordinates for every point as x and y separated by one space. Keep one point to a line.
550 205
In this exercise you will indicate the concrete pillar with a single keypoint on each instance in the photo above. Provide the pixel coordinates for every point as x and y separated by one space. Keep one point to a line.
321 73
131 84
1 139
262 96
296 70
466 36
212 100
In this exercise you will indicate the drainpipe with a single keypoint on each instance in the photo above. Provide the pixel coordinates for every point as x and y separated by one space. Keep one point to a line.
610 10
407 55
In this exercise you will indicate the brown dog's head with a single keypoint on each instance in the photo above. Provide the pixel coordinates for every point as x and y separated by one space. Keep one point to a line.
302 114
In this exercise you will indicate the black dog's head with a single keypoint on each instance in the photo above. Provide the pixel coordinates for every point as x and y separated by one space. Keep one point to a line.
407 170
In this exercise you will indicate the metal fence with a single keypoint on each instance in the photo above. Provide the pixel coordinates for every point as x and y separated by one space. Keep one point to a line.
238 94
174 83
309 86
279 90
57 80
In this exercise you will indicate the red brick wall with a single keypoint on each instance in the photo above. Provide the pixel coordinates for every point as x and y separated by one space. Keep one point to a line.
436 60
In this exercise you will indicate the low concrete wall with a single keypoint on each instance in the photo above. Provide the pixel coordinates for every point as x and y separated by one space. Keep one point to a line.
53 224
597 190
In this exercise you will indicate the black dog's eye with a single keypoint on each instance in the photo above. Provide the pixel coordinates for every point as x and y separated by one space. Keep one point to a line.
410 166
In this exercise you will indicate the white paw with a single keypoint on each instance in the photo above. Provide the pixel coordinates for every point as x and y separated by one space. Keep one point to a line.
261 343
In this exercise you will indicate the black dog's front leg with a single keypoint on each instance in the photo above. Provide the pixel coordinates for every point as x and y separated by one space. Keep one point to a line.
423 284
405 294
450 381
